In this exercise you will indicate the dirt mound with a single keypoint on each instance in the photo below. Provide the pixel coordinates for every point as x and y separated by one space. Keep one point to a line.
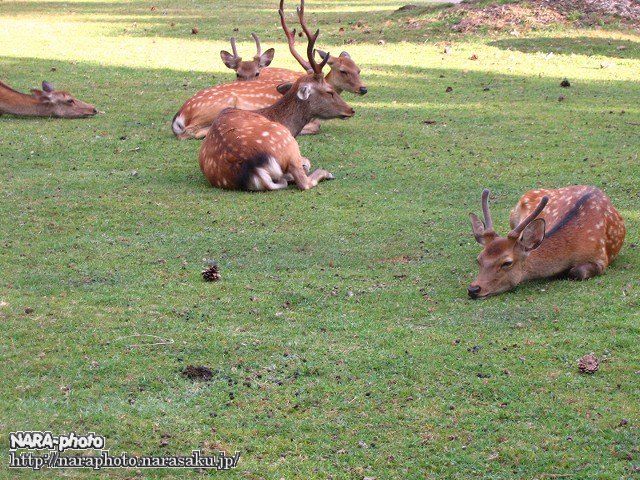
525 15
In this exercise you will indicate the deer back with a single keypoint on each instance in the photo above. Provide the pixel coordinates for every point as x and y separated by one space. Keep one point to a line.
239 142
279 75
582 226
197 114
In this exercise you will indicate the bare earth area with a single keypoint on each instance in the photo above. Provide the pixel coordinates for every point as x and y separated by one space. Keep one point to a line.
536 13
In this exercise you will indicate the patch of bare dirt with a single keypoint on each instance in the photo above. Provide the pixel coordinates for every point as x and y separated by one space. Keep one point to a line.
528 14
198 372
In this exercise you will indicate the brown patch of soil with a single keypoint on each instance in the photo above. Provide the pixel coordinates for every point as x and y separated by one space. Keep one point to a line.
401 259
528 14
193 372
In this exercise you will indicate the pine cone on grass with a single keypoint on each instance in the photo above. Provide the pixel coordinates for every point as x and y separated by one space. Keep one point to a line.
211 273
588 364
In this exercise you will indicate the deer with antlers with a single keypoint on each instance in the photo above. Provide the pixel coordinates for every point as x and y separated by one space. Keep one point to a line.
572 230
47 102
196 115
247 69
257 150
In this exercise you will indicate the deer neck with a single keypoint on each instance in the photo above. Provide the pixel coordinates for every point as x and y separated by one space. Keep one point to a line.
16 103
290 112
543 262
329 78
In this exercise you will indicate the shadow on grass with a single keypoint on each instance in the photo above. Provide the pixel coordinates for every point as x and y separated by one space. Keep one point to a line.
587 46
475 129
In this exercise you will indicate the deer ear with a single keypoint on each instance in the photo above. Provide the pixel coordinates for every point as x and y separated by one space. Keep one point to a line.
40 95
229 60
284 87
323 55
266 58
304 92
47 87
477 226
345 55
533 235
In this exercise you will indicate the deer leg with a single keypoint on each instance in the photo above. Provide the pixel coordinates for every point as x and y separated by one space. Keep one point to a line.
304 181
201 132
585 271
311 128
306 164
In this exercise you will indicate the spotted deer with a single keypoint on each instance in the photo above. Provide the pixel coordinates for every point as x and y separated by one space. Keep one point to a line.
196 115
257 150
247 69
573 230
47 102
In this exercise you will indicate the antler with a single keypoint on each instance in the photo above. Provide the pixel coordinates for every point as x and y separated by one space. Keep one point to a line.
317 68
515 233
258 47
291 39
488 222
233 47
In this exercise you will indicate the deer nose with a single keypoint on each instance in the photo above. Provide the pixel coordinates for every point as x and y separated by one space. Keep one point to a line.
363 90
473 290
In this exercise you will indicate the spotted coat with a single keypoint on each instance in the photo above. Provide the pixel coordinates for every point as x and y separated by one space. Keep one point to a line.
244 150
197 113
582 226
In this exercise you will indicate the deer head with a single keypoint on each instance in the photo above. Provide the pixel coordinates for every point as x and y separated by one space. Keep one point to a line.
250 69
311 93
344 74
61 104
502 259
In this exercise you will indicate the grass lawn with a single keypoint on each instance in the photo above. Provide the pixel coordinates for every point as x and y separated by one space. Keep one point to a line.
341 338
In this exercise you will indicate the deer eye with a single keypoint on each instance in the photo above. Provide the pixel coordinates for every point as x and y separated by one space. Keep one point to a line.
343 72
257 73
507 265
70 102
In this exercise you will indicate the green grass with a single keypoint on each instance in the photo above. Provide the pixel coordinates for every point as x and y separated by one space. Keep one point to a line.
341 334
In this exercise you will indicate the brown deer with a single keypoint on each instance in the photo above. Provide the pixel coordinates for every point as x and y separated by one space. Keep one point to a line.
47 102
343 75
579 233
247 69
257 150
196 115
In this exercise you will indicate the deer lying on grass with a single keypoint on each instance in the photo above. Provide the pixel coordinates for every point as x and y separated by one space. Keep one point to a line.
47 102
257 150
247 69
579 233
196 115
